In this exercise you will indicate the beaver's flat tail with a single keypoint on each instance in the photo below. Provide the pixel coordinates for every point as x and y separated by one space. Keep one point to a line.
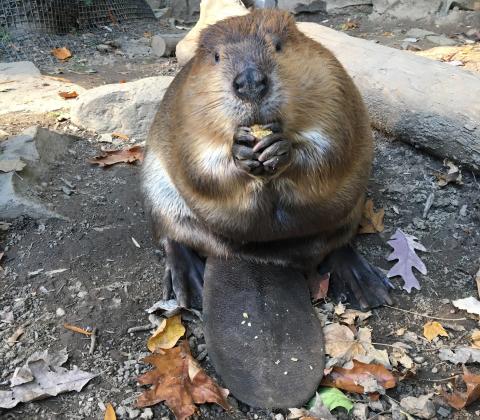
262 334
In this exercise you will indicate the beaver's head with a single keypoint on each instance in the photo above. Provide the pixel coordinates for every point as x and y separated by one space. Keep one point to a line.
237 67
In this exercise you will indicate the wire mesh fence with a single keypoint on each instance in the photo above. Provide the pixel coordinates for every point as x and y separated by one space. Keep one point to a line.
27 27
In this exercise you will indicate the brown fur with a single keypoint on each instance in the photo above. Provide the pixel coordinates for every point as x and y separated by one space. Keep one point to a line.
297 216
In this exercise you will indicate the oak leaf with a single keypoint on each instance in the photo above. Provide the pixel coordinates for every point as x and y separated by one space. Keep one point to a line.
371 222
404 247
112 157
351 380
180 382
61 53
458 399
167 334
432 329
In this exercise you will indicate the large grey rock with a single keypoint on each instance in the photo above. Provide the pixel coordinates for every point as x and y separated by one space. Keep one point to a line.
185 10
37 148
419 406
407 9
312 6
127 108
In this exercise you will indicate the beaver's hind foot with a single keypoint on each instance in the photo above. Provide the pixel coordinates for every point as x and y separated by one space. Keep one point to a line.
183 275
355 280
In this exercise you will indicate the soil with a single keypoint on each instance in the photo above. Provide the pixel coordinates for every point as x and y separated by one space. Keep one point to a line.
110 281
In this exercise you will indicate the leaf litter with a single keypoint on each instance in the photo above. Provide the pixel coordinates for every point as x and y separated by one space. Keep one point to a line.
180 382
404 246
433 329
458 399
371 221
167 334
43 376
111 157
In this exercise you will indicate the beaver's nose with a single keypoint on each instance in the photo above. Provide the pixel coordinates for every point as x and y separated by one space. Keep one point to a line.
251 84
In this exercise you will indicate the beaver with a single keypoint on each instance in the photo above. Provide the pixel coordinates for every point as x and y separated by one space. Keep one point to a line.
266 214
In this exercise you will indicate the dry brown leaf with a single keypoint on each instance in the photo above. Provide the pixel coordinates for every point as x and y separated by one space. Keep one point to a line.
68 95
349 25
371 222
400 332
468 55
167 334
110 413
61 53
318 286
172 383
432 329
351 315
15 336
458 399
112 157
350 379
77 329
476 339
453 175
120 136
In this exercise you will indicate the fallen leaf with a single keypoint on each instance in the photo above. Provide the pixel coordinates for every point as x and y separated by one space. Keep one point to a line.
112 157
61 53
469 304
68 95
15 336
460 355
400 332
333 398
110 413
476 339
351 315
318 286
349 25
169 306
343 346
404 247
349 379
167 334
77 329
120 136
371 222
453 175
172 383
43 376
432 329
10 165
398 356
458 399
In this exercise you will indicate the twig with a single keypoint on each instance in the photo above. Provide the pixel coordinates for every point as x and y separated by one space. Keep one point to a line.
425 316
140 328
93 341
440 380
379 414
428 205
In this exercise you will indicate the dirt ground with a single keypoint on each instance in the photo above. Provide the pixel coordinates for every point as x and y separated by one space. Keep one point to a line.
110 282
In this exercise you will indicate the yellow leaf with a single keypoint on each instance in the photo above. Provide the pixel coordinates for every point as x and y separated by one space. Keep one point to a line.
476 339
110 413
167 334
371 222
61 53
433 329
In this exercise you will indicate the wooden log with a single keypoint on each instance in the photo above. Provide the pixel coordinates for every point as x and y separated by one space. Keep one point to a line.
164 45
432 105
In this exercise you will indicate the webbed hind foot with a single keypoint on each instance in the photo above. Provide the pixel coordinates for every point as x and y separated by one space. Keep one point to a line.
355 280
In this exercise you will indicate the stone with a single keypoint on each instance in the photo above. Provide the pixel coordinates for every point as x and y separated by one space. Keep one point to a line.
314 6
24 89
147 414
421 406
187 11
133 413
418 33
441 40
443 412
60 312
37 148
407 9
127 108
360 411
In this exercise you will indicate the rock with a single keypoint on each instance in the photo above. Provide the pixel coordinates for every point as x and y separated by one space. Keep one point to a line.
121 411
407 9
27 90
279 417
3 135
133 413
103 48
127 108
360 411
185 10
441 40
419 406
313 6
418 33
60 312
38 148
147 414
443 412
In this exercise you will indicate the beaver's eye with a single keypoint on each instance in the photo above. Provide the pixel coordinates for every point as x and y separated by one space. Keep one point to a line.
278 46
217 57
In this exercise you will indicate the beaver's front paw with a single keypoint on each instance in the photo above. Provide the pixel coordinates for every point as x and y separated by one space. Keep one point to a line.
243 155
274 152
